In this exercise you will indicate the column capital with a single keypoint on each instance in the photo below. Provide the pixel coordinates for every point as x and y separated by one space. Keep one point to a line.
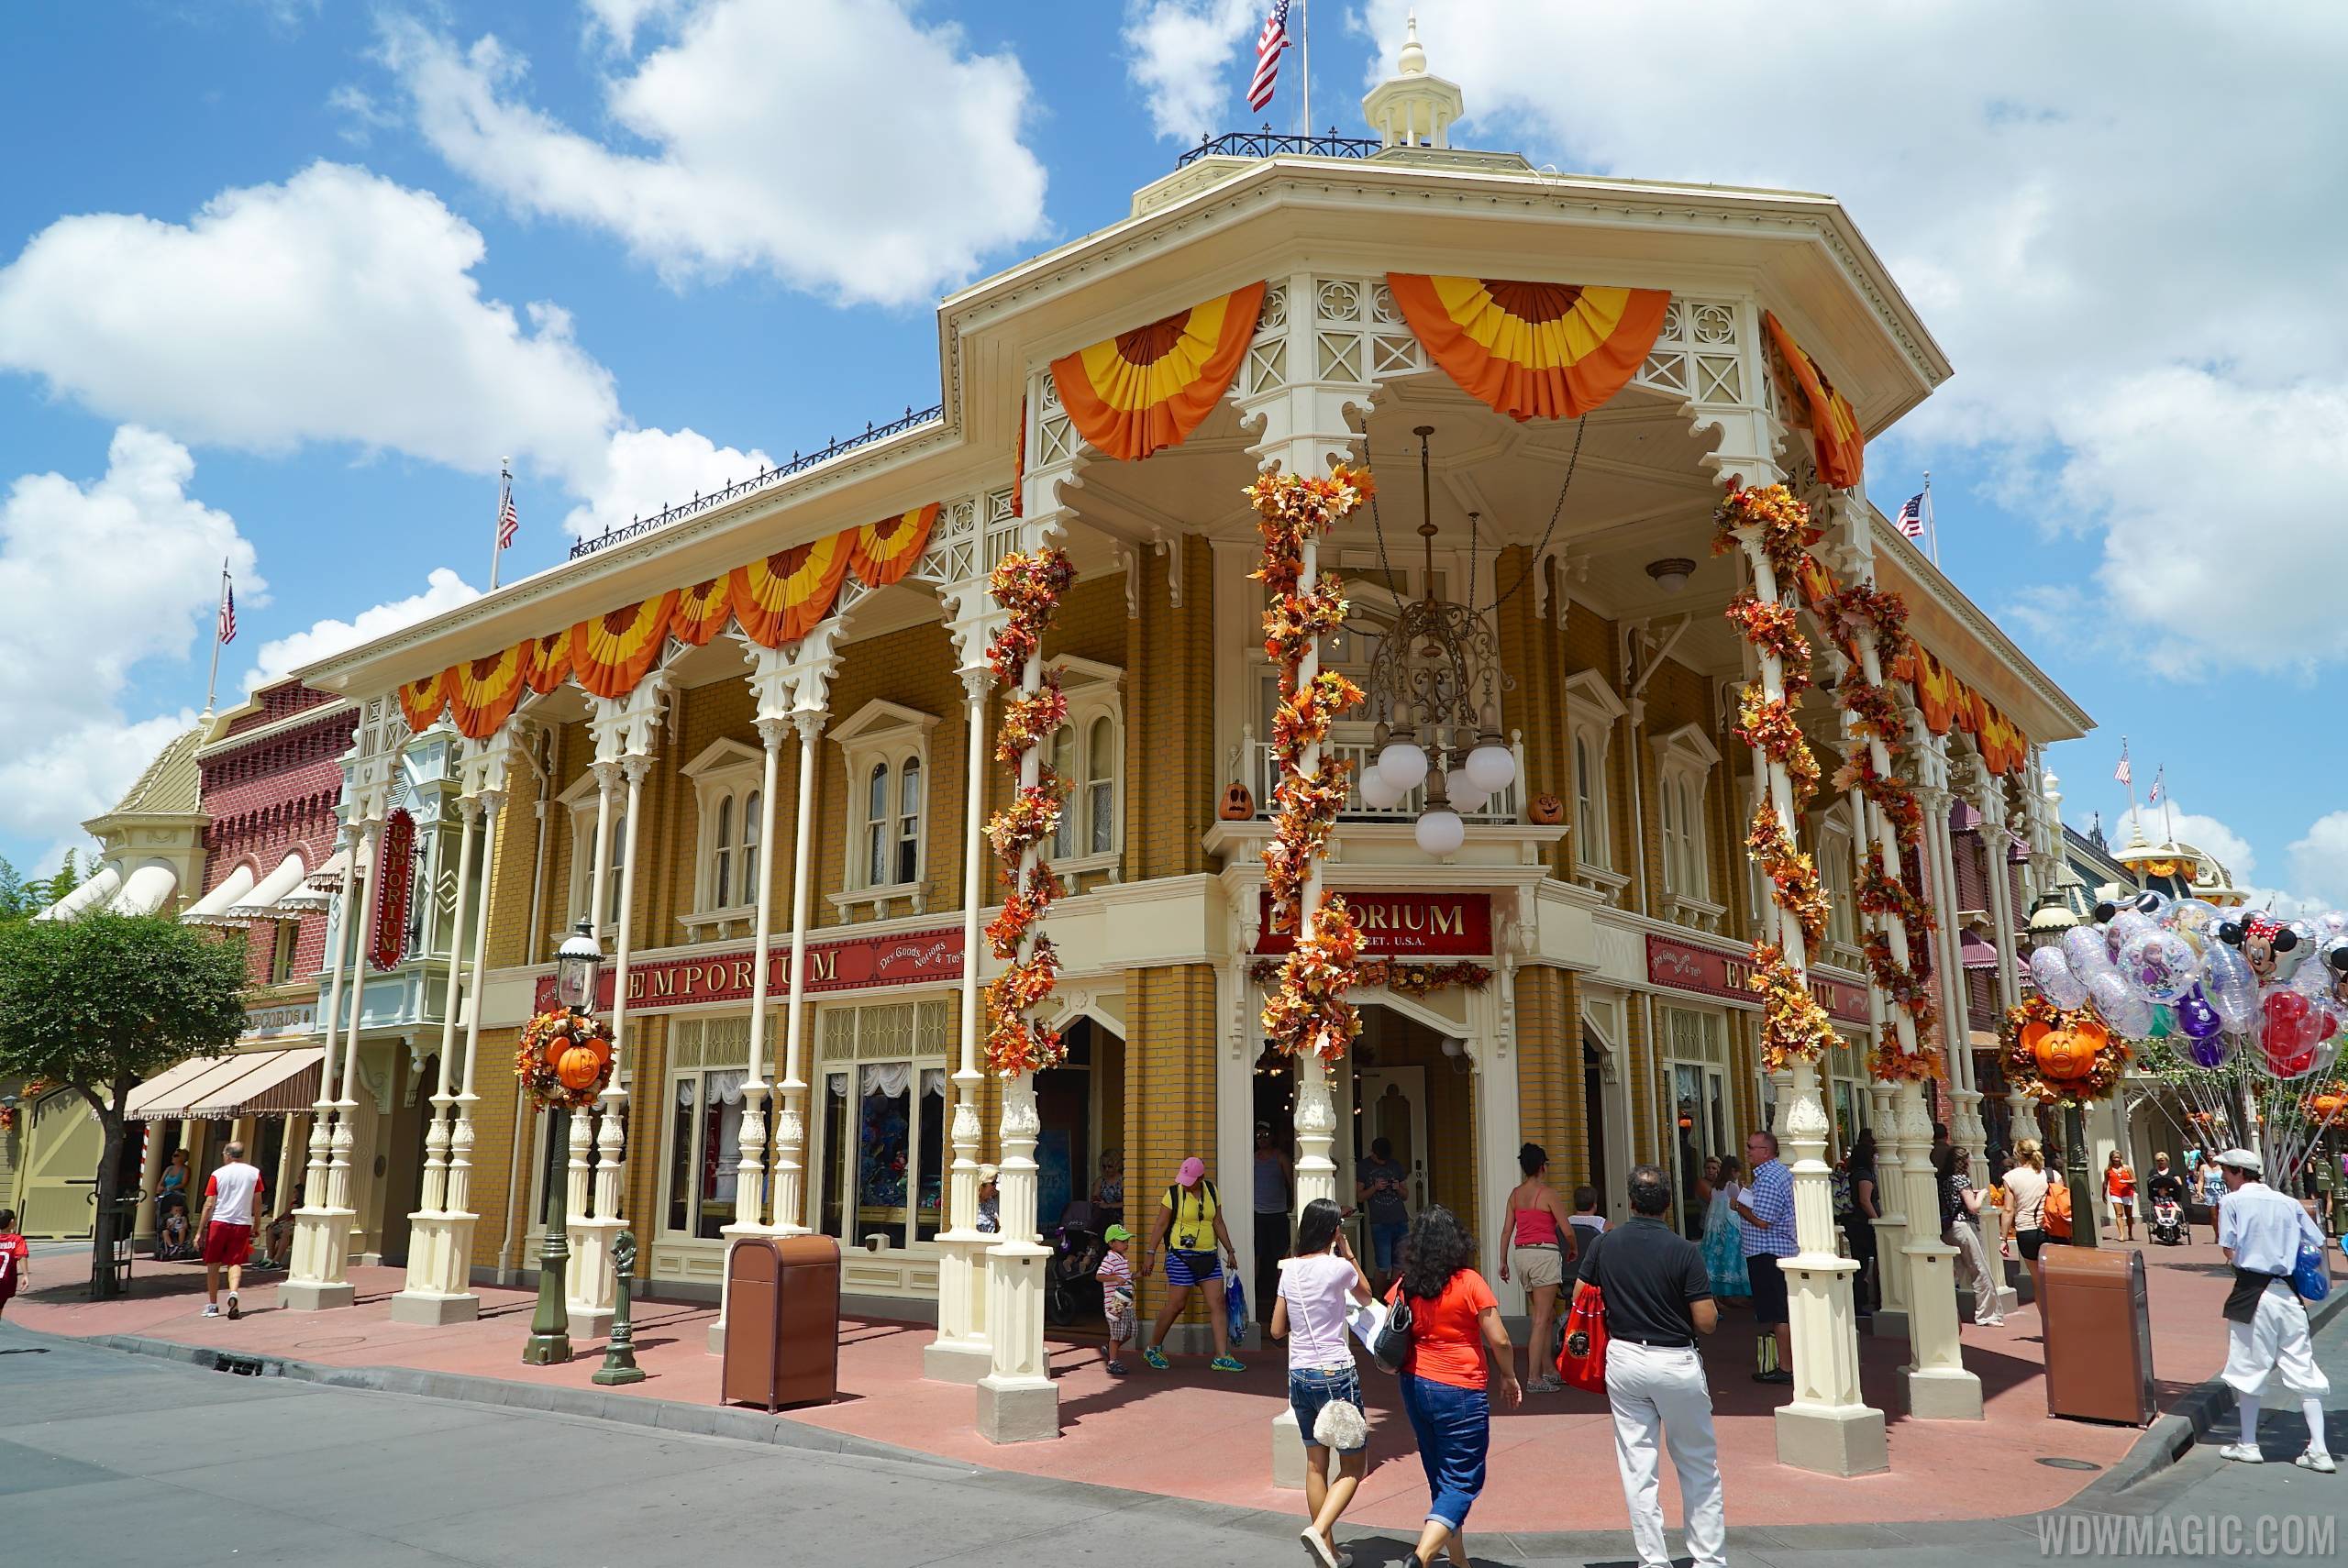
771 731
810 722
977 682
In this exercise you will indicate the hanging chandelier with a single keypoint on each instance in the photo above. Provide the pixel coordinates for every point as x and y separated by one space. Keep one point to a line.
1434 683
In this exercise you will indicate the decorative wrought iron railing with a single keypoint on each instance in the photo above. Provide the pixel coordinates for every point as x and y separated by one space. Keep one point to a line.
913 418
1268 143
1264 775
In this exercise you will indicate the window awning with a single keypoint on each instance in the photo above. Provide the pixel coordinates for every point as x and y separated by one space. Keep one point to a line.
318 888
212 909
263 902
1978 951
84 899
220 1089
149 889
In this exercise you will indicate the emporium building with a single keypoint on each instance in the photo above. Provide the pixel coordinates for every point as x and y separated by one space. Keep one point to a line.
749 742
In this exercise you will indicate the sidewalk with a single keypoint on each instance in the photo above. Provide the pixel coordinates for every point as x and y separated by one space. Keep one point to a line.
1190 1433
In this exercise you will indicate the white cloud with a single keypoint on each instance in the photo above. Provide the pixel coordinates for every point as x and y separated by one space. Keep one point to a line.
616 20
2207 834
99 578
2136 274
336 307
2319 859
839 145
1180 51
444 590
650 471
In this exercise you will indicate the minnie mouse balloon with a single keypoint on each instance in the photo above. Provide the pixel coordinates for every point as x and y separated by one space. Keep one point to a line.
2161 965
2130 1015
2055 982
2197 1019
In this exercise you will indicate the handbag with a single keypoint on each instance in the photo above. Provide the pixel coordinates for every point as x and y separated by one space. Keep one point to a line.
2312 1279
1391 1348
1581 1358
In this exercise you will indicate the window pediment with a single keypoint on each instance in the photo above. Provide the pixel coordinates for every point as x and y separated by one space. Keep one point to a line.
1685 747
880 721
721 758
1587 692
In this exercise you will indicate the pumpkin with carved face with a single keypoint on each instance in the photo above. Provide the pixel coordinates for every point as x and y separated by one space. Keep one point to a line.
2063 1055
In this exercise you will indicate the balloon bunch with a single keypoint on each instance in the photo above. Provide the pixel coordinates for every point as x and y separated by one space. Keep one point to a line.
2160 967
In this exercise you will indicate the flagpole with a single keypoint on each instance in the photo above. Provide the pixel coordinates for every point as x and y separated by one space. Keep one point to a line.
1304 36
1931 525
497 520
2168 806
212 680
2135 813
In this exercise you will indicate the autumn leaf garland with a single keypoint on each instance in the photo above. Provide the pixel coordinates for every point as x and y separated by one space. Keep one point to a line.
1030 587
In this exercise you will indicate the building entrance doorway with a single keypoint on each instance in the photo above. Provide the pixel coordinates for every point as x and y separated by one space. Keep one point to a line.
1410 1086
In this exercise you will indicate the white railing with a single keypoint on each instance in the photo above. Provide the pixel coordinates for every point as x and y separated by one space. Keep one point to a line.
1263 775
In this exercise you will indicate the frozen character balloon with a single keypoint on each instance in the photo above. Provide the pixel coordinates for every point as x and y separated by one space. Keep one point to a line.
2161 965
2271 947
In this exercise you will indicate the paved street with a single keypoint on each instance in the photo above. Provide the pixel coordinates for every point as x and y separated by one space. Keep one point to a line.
108 1458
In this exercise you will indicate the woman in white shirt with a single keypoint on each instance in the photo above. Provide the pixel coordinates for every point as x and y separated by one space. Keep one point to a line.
2026 1198
1319 1288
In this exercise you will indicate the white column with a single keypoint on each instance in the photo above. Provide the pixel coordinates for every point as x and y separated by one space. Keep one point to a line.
309 1229
591 1313
328 1285
1017 1401
789 1181
1316 1115
422 1299
150 1171
1939 1386
462 1219
961 1352
749 1167
1891 1205
2003 916
578 1174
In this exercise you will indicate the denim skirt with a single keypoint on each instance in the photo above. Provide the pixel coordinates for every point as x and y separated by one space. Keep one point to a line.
1311 1388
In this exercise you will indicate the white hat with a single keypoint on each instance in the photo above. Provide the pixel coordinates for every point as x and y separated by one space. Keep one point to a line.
2241 1160
986 1174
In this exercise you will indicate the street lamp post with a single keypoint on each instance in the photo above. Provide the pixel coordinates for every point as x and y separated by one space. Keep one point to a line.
578 964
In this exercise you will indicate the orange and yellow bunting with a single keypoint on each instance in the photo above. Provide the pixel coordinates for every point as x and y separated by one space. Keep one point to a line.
1145 390
701 611
780 598
611 652
1532 350
1826 414
421 701
881 553
482 691
549 664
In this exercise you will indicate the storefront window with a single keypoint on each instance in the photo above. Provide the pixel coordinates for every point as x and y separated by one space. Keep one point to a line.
884 1132
704 1152
834 1137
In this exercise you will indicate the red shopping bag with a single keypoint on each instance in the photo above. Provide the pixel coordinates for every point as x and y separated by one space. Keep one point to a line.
1581 1357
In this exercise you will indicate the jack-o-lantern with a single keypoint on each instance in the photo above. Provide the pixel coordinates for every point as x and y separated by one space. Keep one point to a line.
2329 1103
2065 1054
1238 803
1548 810
578 1066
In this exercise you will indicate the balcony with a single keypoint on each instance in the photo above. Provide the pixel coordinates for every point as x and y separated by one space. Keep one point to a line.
1262 775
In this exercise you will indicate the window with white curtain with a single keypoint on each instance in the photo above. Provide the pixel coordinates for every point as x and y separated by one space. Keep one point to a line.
1591 711
886 749
880 1134
1684 761
1088 753
705 1151
725 779
582 800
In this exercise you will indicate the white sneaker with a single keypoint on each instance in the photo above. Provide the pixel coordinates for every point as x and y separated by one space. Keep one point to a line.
2321 1464
212 1309
2243 1453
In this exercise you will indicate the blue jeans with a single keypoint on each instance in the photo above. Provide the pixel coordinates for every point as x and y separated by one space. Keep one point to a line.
1385 1242
1453 1427
1311 1388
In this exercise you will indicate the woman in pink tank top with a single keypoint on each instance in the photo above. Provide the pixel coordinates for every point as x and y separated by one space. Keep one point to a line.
1540 1244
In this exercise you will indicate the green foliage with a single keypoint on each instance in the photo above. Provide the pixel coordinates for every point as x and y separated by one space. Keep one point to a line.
14 897
97 1003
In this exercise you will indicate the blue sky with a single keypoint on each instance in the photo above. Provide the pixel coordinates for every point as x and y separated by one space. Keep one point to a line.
289 277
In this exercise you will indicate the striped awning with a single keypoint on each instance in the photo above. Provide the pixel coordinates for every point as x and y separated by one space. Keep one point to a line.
149 889
262 903
87 896
1978 951
220 1089
213 908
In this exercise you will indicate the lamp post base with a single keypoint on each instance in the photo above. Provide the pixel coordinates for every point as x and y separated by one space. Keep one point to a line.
550 1340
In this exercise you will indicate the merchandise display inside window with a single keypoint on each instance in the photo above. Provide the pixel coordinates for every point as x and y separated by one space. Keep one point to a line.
704 1150
883 1126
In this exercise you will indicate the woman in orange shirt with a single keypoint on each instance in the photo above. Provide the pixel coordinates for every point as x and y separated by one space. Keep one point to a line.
1454 1327
2119 1190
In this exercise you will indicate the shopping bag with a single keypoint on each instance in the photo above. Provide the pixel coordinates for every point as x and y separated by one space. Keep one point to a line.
1581 1358
2312 1279
1235 1301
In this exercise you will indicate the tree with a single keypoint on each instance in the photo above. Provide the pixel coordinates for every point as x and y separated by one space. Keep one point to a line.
16 900
96 1004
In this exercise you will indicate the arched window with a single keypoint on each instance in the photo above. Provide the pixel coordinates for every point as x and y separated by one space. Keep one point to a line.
1100 788
752 825
909 804
722 857
876 827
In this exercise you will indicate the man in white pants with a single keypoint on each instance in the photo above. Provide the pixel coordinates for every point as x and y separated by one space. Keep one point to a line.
1658 1297
2267 1328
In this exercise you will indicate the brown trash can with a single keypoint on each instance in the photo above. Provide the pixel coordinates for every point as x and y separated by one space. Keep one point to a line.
2098 1336
782 1322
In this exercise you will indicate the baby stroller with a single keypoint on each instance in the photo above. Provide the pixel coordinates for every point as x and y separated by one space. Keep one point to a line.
2167 1225
174 1235
1070 1291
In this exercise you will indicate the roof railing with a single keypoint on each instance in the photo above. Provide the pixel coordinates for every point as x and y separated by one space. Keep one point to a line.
912 419
1268 143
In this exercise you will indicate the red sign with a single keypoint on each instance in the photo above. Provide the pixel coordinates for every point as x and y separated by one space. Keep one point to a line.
394 887
1405 925
1708 971
847 962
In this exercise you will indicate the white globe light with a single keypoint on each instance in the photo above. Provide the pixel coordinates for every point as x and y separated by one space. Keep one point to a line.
1492 768
1404 764
1377 793
1465 795
1440 832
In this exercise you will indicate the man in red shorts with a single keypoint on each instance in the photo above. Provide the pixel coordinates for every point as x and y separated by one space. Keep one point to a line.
232 1199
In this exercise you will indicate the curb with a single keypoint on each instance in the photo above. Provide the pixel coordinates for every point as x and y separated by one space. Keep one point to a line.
2174 1432
594 1403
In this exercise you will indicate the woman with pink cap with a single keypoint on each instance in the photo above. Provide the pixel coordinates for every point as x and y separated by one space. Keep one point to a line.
1190 1234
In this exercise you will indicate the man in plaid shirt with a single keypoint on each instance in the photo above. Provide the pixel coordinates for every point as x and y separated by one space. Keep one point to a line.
1765 1215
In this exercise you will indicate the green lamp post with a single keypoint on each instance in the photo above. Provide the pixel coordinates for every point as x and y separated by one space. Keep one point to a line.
578 964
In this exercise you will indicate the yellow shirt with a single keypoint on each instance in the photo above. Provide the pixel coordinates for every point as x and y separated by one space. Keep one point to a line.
1193 1209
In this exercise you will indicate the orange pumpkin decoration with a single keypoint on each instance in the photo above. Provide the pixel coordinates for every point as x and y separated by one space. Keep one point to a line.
2327 1104
1548 810
578 1068
1238 803
2065 1054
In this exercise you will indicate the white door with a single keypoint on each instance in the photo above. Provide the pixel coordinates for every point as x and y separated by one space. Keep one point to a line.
1393 1107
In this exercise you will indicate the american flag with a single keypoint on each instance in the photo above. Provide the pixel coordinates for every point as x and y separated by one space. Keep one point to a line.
227 609
2123 774
509 522
1269 45
1912 517
2158 774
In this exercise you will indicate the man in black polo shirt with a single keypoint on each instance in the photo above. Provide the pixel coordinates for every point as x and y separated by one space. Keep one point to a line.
1658 1298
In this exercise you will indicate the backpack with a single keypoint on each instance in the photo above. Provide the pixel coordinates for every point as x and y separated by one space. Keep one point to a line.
1208 1203
2058 1211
